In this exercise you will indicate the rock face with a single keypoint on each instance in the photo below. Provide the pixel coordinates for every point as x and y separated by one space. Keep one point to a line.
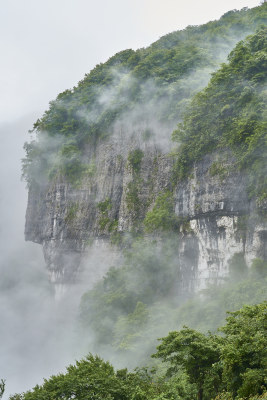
223 220
70 221
73 222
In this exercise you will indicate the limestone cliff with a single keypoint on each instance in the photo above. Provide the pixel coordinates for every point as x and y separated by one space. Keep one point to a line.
68 221
221 219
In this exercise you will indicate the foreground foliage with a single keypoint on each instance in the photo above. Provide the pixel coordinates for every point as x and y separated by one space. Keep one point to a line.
236 362
203 367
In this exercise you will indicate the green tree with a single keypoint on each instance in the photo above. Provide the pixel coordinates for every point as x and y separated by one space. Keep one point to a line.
91 378
244 351
193 352
94 379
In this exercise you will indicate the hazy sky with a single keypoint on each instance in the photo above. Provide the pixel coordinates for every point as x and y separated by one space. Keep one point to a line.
48 45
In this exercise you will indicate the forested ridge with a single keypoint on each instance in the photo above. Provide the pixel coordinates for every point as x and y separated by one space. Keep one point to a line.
150 86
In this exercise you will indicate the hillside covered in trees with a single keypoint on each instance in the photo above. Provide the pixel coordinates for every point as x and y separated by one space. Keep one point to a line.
151 88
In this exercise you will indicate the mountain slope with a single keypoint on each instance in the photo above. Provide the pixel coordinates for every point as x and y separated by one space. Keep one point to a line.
145 90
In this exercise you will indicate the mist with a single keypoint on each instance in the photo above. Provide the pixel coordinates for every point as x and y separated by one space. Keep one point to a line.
38 329
36 333
39 335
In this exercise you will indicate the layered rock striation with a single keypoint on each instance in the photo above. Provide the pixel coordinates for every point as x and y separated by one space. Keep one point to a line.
219 219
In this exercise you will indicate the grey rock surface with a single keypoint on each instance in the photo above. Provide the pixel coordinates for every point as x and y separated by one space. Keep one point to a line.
68 223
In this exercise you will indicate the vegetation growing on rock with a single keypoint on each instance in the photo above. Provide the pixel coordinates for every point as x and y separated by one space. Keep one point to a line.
231 113
162 217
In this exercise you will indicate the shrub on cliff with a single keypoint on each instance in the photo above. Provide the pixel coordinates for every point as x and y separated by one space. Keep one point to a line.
162 217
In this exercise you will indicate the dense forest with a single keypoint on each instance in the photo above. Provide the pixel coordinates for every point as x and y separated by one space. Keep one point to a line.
204 87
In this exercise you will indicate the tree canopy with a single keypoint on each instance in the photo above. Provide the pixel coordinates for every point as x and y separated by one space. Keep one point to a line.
199 366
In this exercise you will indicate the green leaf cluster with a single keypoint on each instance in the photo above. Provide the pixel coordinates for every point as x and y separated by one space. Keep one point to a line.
93 378
162 217
106 222
244 352
235 363
193 352
135 158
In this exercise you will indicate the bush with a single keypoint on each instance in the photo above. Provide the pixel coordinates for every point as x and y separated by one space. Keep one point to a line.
135 158
162 217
